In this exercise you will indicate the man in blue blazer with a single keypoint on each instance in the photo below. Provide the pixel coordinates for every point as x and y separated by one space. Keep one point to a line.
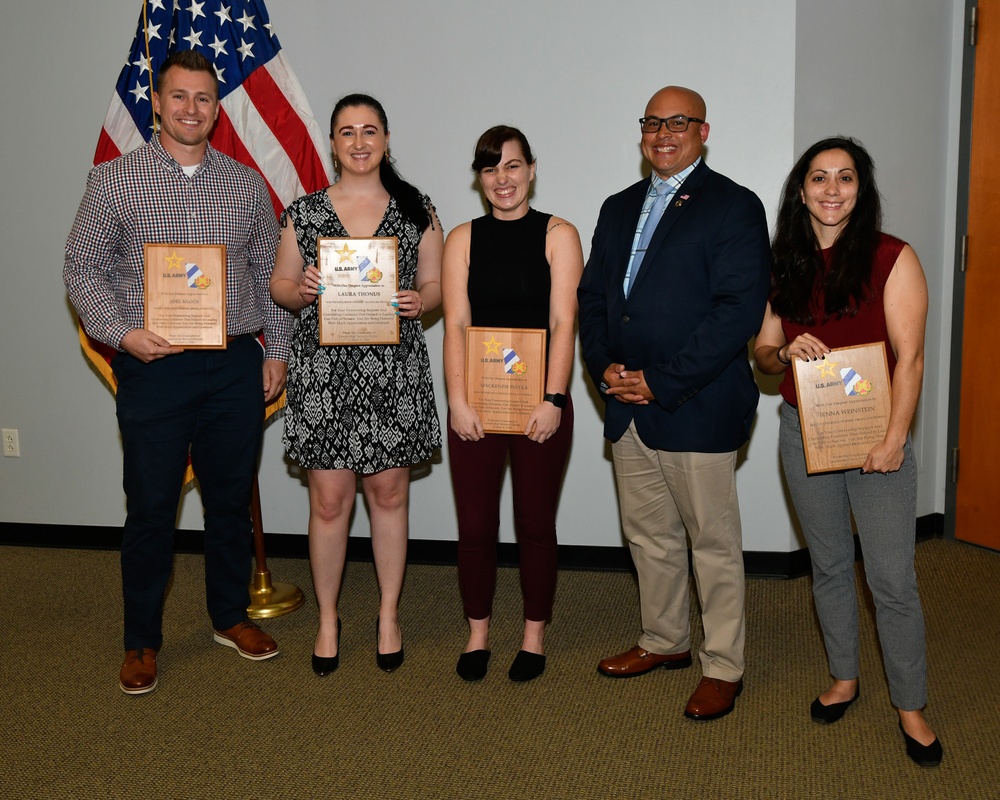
674 289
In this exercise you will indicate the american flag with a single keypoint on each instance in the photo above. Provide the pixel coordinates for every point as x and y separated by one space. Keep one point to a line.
265 121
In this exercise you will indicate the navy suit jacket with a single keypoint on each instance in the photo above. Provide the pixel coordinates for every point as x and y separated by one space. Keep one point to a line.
698 298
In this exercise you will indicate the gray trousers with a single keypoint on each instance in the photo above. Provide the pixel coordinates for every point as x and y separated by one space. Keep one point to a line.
884 508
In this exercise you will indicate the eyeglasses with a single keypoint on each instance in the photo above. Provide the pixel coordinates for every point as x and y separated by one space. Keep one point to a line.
675 124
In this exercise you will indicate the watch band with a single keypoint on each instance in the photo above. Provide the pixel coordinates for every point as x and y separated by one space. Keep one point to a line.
558 400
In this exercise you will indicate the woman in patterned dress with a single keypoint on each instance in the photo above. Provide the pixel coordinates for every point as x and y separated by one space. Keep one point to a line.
360 410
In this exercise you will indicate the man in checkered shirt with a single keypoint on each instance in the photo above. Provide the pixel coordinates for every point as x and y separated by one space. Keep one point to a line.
172 401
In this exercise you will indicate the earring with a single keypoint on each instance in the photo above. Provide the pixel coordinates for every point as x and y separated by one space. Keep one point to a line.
386 156
336 164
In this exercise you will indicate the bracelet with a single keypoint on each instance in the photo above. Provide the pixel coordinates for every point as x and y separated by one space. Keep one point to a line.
420 313
777 354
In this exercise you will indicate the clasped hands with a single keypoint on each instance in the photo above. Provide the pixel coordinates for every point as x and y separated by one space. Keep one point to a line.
627 386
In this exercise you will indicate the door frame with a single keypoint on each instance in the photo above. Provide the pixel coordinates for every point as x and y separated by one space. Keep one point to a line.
958 287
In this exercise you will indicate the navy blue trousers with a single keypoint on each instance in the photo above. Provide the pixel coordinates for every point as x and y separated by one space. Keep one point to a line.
209 403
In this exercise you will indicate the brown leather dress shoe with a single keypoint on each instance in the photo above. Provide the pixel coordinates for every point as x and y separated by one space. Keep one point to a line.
138 672
249 640
638 662
713 698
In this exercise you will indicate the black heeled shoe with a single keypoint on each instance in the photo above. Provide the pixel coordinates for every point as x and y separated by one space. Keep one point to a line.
323 666
924 755
827 715
387 662
472 666
526 667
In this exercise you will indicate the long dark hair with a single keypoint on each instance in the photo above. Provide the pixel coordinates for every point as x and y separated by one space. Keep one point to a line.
408 197
798 265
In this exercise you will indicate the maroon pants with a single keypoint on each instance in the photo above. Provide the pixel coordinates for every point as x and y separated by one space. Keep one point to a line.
536 472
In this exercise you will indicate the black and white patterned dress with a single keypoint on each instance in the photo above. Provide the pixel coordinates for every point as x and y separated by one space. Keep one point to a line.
360 407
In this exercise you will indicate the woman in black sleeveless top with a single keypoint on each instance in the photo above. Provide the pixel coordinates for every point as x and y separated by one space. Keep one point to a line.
513 268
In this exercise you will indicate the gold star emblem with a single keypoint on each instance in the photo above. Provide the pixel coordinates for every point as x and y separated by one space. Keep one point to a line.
826 368
345 253
174 261
492 346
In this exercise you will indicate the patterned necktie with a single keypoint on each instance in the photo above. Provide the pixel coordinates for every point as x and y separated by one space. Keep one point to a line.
655 212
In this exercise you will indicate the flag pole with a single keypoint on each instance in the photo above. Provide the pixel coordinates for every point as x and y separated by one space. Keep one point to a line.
267 598
295 159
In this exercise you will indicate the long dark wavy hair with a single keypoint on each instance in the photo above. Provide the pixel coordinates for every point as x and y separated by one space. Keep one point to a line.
799 272
408 197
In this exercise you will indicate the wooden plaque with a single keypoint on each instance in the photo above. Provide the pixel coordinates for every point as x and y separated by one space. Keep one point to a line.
359 281
504 375
844 404
185 294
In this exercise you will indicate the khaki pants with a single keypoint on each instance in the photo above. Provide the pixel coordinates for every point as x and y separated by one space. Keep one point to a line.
664 498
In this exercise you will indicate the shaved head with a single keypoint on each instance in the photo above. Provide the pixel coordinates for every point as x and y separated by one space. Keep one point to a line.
669 152
683 95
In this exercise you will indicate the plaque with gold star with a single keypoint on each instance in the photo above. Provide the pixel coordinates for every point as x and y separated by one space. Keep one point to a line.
359 279
185 294
504 375
844 403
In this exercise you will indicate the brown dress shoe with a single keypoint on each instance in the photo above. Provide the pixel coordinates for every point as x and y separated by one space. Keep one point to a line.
713 698
249 640
638 662
138 672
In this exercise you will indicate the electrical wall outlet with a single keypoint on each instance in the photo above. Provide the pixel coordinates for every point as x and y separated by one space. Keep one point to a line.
11 446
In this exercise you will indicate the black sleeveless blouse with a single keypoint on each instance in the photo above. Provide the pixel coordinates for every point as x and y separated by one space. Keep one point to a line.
509 281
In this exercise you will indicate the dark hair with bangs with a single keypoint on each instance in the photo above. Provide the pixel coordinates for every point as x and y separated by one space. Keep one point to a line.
408 197
490 146
798 265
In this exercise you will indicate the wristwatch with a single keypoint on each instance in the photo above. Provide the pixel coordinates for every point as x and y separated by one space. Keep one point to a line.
558 400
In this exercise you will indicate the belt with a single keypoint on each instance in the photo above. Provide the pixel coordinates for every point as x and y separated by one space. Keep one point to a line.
241 335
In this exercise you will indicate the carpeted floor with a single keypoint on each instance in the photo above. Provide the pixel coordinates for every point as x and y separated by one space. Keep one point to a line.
219 726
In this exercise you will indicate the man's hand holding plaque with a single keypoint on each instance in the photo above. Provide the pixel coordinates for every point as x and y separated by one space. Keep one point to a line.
185 297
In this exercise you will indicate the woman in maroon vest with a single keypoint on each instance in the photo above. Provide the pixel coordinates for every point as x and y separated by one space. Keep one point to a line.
839 281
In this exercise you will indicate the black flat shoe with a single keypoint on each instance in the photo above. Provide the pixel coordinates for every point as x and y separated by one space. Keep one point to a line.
323 666
827 715
387 662
924 755
472 665
526 667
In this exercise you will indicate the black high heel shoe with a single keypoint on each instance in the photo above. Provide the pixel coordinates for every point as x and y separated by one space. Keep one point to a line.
827 715
387 662
924 755
323 666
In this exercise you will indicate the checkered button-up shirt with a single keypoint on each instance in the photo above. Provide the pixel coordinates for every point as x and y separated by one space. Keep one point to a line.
145 196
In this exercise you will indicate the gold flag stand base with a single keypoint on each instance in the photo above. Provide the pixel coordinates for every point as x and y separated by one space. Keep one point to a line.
267 599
